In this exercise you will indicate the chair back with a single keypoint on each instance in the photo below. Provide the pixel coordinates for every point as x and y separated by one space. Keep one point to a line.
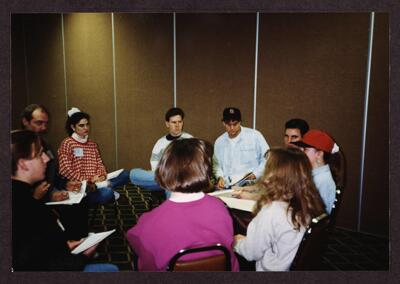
219 262
309 253
336 205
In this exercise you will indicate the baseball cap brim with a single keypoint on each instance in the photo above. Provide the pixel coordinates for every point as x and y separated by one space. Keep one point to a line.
301 144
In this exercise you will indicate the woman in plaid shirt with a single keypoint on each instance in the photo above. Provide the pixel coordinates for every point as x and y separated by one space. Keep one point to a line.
80 159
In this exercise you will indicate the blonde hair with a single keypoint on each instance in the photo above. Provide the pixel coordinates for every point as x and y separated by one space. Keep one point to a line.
287 177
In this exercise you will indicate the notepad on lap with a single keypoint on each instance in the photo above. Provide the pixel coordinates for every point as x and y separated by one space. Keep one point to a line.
114 174
91 240
73 197
111 175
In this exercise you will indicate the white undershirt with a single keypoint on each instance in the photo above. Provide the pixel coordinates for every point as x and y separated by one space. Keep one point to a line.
79 138
185 197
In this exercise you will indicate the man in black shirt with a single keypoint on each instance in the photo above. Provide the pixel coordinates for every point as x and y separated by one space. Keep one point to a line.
54 187
39 241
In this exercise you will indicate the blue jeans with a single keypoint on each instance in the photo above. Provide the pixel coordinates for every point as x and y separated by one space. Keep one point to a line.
106 194
146 180
121 179
100 267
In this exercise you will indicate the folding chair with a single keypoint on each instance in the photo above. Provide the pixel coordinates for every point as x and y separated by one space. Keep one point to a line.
219 262
309 253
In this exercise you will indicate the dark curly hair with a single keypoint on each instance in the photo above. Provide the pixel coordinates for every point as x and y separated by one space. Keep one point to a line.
74 120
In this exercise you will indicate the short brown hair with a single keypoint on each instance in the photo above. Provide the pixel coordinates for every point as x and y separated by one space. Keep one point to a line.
186 166
24 145
174 111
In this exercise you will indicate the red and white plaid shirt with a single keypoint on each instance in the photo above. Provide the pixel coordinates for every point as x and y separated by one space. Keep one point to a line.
80 161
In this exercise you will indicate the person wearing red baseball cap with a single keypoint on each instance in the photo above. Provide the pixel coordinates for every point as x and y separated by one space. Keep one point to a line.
325 159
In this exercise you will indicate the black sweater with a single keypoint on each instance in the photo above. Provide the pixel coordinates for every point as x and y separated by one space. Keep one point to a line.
39 243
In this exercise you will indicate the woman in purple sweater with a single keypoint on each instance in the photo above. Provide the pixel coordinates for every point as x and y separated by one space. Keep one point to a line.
189 218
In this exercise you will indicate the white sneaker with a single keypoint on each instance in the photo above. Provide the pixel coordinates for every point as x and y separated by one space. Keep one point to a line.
116 195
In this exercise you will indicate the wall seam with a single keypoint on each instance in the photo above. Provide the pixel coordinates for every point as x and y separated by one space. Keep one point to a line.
114 90
174 54
365 120
65 64
256 71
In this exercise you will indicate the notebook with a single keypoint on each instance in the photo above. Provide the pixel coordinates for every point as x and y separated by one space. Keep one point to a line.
91 240
232 202
73 197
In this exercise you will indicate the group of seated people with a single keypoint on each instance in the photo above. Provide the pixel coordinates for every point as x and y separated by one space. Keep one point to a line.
291 184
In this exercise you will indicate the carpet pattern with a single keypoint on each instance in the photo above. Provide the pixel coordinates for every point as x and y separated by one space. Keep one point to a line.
347 250
120 216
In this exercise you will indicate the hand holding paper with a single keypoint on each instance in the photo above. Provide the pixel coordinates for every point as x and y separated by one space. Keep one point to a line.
114 174
111 175
92 240
73 197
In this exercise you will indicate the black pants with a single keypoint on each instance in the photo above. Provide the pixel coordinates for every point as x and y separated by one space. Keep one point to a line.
74 219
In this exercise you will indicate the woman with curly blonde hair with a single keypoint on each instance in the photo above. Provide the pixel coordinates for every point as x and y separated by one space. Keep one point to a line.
288 201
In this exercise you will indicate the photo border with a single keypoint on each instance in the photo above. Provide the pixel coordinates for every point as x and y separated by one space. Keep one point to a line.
222 6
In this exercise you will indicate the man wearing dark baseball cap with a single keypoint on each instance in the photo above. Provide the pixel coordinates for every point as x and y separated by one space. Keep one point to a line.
239 151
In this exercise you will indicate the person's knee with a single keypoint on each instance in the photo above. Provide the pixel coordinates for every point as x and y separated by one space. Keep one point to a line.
105 194
125 175
122 179
135 174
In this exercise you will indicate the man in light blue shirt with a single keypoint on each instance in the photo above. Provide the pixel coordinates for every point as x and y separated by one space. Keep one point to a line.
239 151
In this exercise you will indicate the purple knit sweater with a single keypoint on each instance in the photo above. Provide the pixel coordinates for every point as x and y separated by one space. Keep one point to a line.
172 226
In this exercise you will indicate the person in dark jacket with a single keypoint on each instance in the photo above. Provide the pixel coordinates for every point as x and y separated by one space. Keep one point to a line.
39 240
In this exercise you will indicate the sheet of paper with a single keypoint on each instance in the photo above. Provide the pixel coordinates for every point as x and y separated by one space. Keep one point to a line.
232 202
73 197
104 183
91 240
114 174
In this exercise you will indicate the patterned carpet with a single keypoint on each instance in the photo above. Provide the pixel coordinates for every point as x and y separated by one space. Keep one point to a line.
120 216
347 250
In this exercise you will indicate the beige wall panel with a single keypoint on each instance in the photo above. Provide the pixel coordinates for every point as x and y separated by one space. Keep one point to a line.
215 69
312 66
19 96
45 73
88 48
375 205
144 71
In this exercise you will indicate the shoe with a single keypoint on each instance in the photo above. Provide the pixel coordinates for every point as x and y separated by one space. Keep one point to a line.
116 195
